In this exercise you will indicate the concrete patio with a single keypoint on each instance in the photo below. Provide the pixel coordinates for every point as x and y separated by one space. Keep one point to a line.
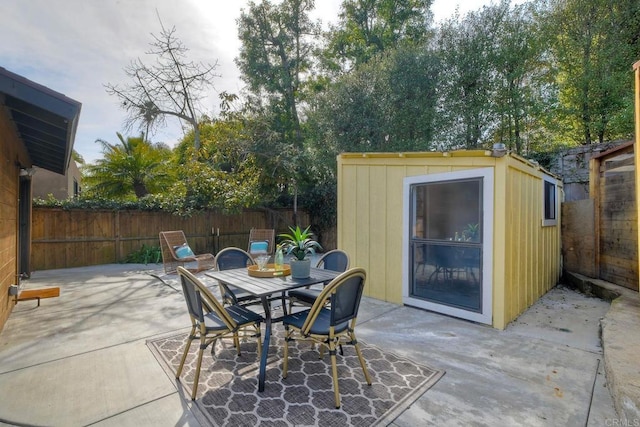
81 359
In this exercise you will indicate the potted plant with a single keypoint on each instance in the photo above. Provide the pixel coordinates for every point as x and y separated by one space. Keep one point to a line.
299 243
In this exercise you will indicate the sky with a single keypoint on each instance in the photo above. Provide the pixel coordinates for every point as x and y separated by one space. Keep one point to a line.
75 47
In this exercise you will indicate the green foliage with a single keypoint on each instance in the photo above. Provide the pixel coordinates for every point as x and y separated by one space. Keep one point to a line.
465 47
205 187
387 104
132 169
277 42
276 61
321 202
594 44
174 203
145 255
299 243
367 28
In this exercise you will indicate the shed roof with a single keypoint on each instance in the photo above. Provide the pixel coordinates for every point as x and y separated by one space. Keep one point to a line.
447 154
46 121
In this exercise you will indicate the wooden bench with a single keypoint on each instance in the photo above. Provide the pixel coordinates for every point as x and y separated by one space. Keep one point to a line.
31 294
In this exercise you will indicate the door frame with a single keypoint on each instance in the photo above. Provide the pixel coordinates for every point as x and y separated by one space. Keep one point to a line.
24 227
487 175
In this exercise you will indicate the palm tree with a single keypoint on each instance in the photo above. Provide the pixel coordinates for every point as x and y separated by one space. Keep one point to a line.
135 166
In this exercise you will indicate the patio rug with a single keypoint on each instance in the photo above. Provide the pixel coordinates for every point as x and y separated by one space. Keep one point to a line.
228 388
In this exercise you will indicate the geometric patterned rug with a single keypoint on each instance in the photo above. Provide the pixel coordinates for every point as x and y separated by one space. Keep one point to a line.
228 388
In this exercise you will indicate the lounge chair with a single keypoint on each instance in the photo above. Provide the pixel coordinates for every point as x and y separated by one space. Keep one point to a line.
176 252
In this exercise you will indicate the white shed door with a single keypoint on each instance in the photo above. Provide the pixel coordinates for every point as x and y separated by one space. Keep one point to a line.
448 230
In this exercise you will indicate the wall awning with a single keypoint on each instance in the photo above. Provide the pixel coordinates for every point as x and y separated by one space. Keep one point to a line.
46 121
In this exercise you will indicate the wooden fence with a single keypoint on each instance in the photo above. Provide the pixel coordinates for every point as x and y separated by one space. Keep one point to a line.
579 237
74 238
600 234
613 189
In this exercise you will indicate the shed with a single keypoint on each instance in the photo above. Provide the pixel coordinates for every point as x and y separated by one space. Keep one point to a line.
471 234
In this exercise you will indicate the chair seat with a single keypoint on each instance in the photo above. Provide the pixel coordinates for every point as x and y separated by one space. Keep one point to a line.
320 326
242 316
242 295
308 296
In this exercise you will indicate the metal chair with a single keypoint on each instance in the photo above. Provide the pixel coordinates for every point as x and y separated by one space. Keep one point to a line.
227 259
211 321
176 252
333 326
335 260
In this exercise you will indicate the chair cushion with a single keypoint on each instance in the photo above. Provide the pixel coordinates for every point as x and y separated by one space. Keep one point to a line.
183 251
259 247
319 327
306 295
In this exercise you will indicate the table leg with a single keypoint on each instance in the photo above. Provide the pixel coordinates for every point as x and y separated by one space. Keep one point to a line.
265 345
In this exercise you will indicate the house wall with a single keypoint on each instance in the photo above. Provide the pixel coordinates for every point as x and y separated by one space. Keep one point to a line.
526 258
12 152
61 187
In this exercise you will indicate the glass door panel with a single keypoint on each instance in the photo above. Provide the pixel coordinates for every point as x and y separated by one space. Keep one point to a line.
446 243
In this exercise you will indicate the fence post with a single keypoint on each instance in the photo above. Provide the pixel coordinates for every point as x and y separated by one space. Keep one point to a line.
116 224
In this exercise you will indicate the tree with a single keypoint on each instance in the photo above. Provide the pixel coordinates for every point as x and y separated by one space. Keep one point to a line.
466 47
134 167
223 173
276 53
172 86
595 41
384 105
369 27
520 77
276 59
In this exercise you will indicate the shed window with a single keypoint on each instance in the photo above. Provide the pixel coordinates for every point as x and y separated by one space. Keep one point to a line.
550 203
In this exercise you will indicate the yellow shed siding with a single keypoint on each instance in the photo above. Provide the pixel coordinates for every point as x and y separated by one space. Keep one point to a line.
636 149
532 258
502 258
394 218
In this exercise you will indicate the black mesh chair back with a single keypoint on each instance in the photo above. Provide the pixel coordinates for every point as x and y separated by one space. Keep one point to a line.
200 300
345 301
227 259
193 300
335 260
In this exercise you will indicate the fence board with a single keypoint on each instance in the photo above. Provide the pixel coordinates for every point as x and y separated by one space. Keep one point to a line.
618 219
578 237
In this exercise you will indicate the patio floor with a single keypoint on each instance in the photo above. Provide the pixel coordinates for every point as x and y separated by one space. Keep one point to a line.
81 358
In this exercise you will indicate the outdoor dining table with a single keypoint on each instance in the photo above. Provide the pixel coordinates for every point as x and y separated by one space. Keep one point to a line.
263 288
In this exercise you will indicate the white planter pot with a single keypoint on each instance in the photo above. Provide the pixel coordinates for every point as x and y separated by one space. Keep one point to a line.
300 269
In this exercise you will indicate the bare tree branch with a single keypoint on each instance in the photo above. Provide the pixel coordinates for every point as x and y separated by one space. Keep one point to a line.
171 86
